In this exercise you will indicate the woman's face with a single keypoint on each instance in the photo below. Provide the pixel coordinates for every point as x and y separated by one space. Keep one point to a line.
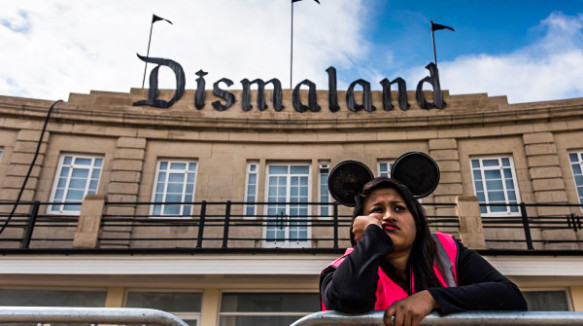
388 206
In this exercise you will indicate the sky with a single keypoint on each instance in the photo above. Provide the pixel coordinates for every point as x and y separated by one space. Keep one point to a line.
527 50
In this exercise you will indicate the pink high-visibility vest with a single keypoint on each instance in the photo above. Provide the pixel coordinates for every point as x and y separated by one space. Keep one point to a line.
444 267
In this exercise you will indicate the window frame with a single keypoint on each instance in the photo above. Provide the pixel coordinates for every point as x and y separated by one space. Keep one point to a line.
286 243
248 173
161 215
389 166
566 290
578 193
500 167
260 314
184 315
61 289
324 165
58 173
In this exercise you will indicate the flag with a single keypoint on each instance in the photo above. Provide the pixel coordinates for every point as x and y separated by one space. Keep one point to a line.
435 27
157 18
318 1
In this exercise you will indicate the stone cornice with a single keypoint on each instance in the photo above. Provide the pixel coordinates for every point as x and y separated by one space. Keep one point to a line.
114 109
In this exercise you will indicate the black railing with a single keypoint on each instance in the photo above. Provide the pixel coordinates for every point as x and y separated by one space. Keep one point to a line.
565 217
56 229
216 225
228 225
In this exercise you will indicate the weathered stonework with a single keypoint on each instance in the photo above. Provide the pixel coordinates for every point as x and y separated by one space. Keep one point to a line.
133 139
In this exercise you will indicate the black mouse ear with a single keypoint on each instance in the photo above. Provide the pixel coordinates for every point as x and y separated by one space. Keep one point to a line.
346 180
418 171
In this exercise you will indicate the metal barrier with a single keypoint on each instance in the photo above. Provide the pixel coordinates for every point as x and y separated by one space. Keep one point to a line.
88 315
511 318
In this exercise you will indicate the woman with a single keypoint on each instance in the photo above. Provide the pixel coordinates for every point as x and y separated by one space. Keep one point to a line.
398 266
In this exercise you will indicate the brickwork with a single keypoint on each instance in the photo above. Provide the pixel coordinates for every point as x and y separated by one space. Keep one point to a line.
20 160
126 173
445 153
548 184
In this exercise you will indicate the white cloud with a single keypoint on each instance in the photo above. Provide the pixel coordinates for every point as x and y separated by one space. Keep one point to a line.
550 68
53 47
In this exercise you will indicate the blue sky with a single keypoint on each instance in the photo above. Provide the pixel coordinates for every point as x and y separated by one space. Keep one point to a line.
529 51
481 27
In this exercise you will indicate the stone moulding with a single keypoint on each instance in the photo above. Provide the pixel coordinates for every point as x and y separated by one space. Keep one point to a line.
468 110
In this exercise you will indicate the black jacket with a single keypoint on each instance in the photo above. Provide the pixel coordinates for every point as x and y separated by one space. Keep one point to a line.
351 287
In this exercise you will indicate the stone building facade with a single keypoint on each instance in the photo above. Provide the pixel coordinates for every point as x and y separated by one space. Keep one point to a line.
121 192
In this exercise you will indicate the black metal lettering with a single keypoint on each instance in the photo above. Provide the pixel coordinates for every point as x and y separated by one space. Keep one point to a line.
366 97
312 97
199 96
433 80
153 91
332 90
246 96
387 97
227 96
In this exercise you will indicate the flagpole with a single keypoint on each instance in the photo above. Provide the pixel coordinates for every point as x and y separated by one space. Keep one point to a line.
433 40
147 53
291 56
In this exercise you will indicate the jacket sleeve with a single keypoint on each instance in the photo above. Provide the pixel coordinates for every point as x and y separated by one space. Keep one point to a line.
351 287
480 287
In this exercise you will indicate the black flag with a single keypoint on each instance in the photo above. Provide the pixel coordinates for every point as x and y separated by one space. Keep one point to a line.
157 18
435 27
318 1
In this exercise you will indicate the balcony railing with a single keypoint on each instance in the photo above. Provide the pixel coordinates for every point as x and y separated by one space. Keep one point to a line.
536 218
220 226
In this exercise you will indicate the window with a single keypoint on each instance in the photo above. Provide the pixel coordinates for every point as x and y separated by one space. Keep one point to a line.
184 305
547 300
1 153
288 186
274 309
175 182
385 168
324 195
64 298
251 189
77 177
576 160
495 183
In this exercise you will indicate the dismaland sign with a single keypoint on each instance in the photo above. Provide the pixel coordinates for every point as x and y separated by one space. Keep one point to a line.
312 105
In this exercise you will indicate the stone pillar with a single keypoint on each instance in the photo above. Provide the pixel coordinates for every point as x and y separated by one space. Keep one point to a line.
126 174
547 184
210 307
577 296
20 160
115 297
445 152
471 231
544 169
89 223
16 169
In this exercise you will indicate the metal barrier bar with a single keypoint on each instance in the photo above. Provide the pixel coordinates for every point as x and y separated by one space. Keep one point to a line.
88 315
510 318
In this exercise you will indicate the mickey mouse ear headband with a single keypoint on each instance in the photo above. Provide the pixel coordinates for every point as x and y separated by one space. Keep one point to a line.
416 170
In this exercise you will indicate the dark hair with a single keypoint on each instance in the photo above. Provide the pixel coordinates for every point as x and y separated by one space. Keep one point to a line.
424 250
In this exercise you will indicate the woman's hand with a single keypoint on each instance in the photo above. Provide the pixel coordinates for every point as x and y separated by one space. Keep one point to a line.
410 311
361 222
